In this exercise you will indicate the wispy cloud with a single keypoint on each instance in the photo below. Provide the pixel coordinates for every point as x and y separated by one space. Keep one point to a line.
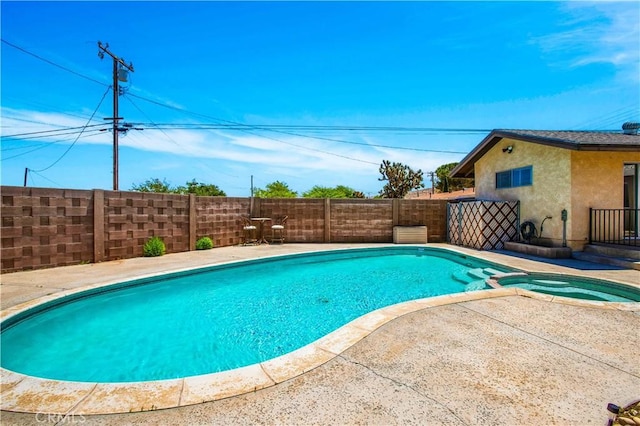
597 32
282 150
283 155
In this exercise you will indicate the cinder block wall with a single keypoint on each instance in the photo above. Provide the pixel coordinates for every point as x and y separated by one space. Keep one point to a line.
353 221
432 213
306 217
219 219
43 228
131 218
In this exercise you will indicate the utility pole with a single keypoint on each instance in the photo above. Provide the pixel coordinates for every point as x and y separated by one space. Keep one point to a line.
118 65
251 203
431 175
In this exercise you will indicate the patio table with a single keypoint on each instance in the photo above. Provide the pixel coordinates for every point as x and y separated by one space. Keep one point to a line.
262 220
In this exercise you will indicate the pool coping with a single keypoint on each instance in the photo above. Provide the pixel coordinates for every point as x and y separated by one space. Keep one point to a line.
22 393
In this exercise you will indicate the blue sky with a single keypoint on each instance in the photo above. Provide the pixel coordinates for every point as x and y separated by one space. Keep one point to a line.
338 75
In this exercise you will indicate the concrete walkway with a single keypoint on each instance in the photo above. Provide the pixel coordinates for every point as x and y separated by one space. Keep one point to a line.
502 360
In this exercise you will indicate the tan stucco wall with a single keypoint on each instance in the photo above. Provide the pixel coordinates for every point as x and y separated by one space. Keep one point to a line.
562 179
598 183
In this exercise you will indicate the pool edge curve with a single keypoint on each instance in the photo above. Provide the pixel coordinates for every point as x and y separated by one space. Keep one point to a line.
27 394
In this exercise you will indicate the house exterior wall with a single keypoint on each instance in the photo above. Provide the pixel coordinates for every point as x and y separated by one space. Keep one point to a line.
547 196
598 183
562 179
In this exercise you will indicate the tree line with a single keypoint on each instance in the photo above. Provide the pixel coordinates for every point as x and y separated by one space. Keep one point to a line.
399 180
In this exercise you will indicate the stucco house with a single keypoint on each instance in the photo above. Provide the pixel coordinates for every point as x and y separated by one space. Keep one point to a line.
552 171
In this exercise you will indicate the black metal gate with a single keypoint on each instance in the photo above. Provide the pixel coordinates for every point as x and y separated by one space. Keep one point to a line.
614 226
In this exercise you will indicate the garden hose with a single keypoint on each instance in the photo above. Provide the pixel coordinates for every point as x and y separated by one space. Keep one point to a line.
528 230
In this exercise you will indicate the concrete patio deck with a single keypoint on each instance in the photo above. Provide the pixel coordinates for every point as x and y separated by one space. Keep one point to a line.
473 360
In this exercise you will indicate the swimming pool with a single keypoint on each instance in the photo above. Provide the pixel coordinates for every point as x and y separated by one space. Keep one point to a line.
223 317
572 287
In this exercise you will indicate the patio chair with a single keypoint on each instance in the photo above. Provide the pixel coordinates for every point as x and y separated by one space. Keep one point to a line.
249 232
277 229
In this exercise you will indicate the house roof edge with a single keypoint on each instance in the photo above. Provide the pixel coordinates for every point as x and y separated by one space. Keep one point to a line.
595 141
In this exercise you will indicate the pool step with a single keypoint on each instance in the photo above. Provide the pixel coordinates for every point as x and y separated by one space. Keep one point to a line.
551 283
489 272
474 275
477 273
463 277
476 285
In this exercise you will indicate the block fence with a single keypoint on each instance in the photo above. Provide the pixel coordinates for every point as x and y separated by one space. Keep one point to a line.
43 227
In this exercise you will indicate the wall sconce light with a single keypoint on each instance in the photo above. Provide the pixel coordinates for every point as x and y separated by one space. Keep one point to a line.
508 149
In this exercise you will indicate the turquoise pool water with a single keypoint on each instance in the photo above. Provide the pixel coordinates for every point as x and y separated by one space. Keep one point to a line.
573 287
226 316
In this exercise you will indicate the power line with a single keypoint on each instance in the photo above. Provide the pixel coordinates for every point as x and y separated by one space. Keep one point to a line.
341 128
268 128
76 140
34 121
368 144
26 138
247 131
316 150
152 123
43 177
164 133
26 120
620 112
243 127
619 118
274 128
42 145
28 152
51 131
49 107
53 63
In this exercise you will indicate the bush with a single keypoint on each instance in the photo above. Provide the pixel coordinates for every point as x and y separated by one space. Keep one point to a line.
204 243
154 247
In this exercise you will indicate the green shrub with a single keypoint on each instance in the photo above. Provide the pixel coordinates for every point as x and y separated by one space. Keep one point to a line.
154 247
204 243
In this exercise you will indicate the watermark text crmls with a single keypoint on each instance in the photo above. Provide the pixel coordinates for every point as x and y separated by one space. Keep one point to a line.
65 419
